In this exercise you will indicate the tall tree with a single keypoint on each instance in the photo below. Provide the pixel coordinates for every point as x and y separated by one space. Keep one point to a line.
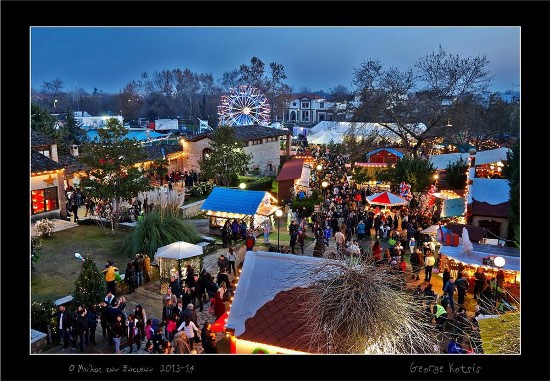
417 172
254 74
42 121
52 89
415 103
70 133
455 174
115 159
227 158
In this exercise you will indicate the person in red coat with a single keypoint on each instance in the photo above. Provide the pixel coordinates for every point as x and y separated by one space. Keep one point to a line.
376 251
219 305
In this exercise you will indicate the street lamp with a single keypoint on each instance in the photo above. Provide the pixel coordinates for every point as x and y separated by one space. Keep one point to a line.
242 186
499 262
324 184
278 214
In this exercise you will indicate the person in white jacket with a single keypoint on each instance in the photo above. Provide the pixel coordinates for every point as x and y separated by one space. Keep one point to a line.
190 330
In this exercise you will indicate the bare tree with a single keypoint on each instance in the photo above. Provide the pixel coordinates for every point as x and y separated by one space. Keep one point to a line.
415 104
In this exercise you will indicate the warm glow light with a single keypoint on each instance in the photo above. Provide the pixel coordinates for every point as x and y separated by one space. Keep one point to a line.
499 262
242 185
278 212
436 176
324 184
319 167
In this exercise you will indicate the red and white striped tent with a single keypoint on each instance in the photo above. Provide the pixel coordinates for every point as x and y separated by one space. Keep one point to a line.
386 199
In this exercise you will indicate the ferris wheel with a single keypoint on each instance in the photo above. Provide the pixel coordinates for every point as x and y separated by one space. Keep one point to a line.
243 106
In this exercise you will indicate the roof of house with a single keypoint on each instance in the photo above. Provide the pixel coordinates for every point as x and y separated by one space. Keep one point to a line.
266 298
482 157
40 139
41 163
72 165
154 152
234 201
291 170
396 151
246 133
491 191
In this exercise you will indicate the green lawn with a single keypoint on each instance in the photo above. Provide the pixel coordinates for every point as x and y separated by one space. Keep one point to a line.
57 269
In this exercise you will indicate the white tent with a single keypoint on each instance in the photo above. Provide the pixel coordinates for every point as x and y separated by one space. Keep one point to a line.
325 137
178 250
431 230
170 258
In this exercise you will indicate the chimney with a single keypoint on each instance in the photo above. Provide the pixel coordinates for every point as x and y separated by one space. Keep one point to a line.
74 150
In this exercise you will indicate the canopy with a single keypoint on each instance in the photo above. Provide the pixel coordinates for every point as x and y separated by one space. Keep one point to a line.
386 199
453 207
178 250
325 137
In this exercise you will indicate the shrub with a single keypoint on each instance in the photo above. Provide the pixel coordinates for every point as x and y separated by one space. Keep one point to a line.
203 189
44 227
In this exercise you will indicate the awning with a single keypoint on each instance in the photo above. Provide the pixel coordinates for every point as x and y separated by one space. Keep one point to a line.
480 251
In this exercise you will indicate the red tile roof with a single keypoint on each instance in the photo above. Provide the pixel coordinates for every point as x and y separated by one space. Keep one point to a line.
279 322
291 170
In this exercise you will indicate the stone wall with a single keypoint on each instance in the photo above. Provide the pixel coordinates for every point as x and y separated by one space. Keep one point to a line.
192 210
263 155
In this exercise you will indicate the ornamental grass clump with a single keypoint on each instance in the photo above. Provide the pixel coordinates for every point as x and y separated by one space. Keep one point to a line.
44 227
362 309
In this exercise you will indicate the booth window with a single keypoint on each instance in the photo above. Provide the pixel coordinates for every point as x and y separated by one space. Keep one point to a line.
44 200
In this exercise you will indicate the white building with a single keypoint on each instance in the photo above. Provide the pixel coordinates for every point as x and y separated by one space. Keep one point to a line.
308 110
89 122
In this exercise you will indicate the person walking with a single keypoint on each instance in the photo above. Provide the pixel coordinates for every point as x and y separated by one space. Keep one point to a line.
480 279
449 290
461 287
429 262
267 230
231 258
226 233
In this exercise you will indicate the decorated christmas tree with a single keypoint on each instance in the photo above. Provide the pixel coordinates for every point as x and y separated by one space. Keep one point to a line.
90 285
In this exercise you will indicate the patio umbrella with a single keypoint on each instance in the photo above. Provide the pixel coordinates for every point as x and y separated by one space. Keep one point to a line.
386 199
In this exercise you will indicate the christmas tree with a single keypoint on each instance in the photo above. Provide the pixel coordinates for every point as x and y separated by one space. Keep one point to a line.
90 285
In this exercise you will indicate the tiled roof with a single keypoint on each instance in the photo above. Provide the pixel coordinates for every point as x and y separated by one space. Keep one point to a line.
40 139
291 170
154 152
281 322
246 133
72 165
233 201
41 163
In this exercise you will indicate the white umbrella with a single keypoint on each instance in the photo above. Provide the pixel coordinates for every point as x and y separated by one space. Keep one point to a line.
467 246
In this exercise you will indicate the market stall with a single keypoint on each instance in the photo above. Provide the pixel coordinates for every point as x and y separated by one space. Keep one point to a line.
483 255
223 204
173 259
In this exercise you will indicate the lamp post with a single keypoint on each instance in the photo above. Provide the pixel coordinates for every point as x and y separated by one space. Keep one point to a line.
324 184
278 214
499 262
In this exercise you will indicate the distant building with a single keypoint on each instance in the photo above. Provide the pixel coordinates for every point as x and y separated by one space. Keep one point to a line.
259 141
308 110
